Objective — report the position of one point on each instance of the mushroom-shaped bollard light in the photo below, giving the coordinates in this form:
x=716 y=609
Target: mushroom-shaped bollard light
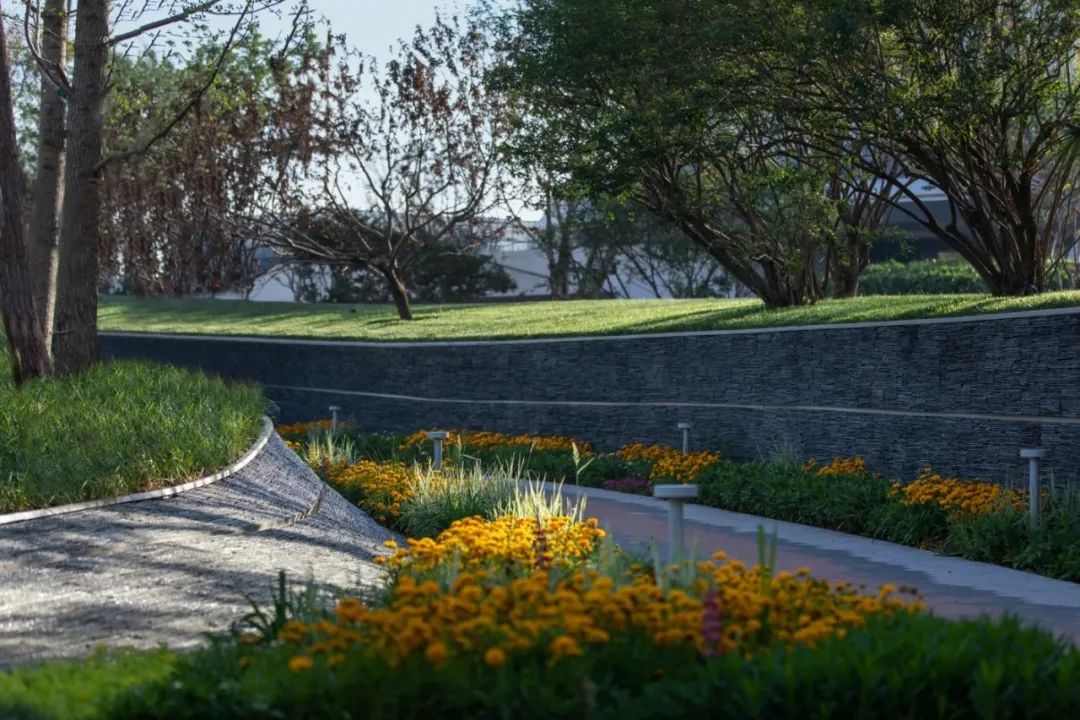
x=1033 y=455
x=437 y=437
x=676 y=495
x=685 y=428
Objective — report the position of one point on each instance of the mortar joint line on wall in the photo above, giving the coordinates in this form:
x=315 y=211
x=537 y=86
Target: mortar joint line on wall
x=759 y=407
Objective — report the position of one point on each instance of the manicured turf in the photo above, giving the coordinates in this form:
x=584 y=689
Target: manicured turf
x=534 y=319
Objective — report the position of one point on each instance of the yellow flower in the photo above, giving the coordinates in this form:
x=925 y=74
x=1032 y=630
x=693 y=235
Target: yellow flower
x=494 y=657
x=667 y=463
x=436 y=652
x=300 y=663
x=564 y=645
x=840 y=466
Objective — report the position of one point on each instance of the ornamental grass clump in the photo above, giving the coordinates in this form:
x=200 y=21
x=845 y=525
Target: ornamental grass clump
x=439 y=497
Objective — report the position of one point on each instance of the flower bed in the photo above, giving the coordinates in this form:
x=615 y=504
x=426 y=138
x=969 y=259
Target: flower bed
x=532 y=612
x=974 y=519
x=542 y=616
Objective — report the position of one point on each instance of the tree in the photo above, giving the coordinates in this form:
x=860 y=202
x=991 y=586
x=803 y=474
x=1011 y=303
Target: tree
x=29 y=354
x=979 y=99
x=408 y=154
x=653 y=253
x=863 y=203
x=178 y=220
x=439 y=274
x=661 y=101
x=47 y=190
x=75 y=344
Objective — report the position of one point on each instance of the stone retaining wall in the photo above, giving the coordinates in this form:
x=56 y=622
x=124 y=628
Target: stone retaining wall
x=961 y=394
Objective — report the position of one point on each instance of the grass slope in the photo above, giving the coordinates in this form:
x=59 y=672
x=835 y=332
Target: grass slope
x=533 y=319
x=119 y=428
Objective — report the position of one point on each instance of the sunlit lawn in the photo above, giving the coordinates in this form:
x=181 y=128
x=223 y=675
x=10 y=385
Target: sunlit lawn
x=533 y=319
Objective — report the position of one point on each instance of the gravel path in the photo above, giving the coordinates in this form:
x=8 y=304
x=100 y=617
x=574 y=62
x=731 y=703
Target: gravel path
x=167 y=571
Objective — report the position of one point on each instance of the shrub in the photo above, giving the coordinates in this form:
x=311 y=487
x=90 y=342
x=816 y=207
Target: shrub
x=785 y=492
x=1052 y=549
x=921 y=277
x=938 y=277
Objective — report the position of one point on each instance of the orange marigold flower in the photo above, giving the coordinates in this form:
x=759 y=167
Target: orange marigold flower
x=494 y=657
x=300 y=663
x=436 y=652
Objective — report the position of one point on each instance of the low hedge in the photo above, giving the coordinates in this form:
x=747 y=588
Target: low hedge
x=936 y=277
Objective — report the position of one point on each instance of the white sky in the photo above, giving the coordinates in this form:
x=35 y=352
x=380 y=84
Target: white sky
x=372 y=26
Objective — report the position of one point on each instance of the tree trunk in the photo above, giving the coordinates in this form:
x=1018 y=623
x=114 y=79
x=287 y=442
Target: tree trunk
x=398 y=291
x=48 y=180
x=846 y=269
x=29 y=354
x=76 y=306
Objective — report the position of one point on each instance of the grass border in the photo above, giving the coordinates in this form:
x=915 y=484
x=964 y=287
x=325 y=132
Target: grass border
x=228 y=471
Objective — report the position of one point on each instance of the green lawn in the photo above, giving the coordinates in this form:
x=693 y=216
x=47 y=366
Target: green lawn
x=533 y=319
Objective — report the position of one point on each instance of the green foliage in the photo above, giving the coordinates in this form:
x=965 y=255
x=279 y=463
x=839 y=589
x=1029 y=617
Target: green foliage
x=974 y=98
x=289 y=600
x=659 y=101
x=787 y=492
x=118 y=428
x=533 y=319
x=80 y=690
x=904 y=667
x=928 y=277
x=1053 y=548
x=920 y=525
x=922 y=277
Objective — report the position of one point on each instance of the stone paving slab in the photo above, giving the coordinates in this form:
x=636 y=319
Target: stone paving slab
x=170 y=570
x=951 y=587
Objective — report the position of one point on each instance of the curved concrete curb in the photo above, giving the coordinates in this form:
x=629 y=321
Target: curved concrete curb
x=245 y=459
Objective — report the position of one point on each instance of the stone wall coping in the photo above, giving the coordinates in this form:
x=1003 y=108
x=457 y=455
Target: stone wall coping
x=957 y=319
x=244 y=461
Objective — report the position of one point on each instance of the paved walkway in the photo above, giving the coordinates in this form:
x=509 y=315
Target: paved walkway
x=951 y=587
x=167 y=571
